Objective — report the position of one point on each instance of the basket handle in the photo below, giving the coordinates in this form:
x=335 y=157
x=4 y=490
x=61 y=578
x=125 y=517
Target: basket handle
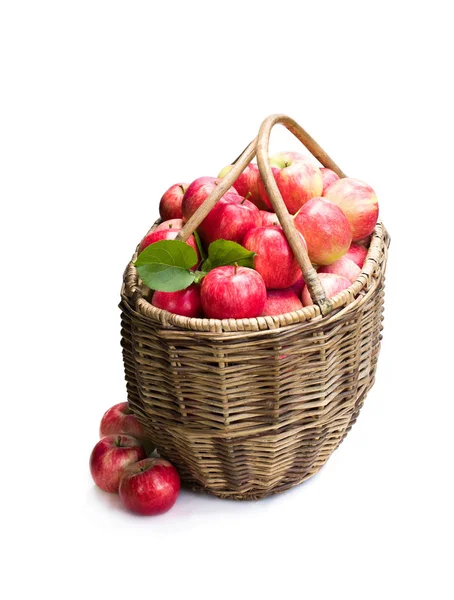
x=240 y=164
x=310 y=274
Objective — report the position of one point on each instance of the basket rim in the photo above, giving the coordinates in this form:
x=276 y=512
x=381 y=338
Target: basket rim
x=133 y=293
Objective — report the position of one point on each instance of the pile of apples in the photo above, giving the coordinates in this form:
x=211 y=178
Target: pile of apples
x=334 y=217
x=120 y=463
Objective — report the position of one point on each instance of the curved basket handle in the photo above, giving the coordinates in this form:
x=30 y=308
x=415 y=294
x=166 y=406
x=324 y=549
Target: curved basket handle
x=310 y=274
x=240 y=164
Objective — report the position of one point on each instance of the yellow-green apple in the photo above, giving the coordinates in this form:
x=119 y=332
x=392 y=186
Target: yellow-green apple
x=150 y=487
x=269 y=218
x=170 y=224
x=184 y=302
x=233 y=292
x=120 y=419
x=343 y=267
x=230 y=219
x=325 y=229
x=170 y=204
x=328 y=177
x=357 y=254
x=247 y=183
x=274 y=258
x=196 y=194
x=359 y=203
x=298 y=181
x=165 y=234
x=332 y=284
x=110 y=456
x=279 y=302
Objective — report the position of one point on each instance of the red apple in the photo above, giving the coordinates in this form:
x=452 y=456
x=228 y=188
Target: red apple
x=343 y=267
x=247 y=183
x=184 y=302
x=359 y=203
x=274 y=258
x=269 y=218
x=170 y=204
x=110 y=456
x=279 y=302
x=120 y=419
x=196 y=194
x=170 y=224
x=357 y=254
x=325 y=229
x=233 y=293
x=165 y=234
x=150 y=487
x=230 y=219
x=298 y=181
x=332 y=284
x=328 y=177
x=298 y=286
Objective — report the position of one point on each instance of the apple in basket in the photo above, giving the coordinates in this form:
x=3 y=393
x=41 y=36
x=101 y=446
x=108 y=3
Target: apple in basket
x=196 y=194
x=232 y=292
x=150 y=486
x=165 y=234
x=183 y=302
x=325 y=229
x=298 y=180
x=331 y=283
x=230 y=219
x=170 y=224
x=279 y=302
x=110 y=456
x=274 y=258
x=328 y=177
x=343 y=267
x=357 y=254
x=170 y=204
x=359 y=203
x=120 y=419
x=247 y=183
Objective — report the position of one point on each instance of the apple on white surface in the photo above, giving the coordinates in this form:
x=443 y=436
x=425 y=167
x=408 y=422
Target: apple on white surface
x=331 y=283
x=274 y=258
x=120 y=419
x=110 y=456
x=297 y=180
x=150 y=486
x=279 y=302
x=233 y=292
x=343 y=267
x=183 y=302
x=325 y=229
x=230 y=219
x=358 y=202
x=170 y=204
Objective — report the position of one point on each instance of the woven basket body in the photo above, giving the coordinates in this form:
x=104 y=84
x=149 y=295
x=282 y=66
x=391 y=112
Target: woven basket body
x=251 y=407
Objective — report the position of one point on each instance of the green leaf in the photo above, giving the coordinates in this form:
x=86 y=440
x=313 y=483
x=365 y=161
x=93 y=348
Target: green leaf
x=200 y=247
x=223 y=252
x=165 y=265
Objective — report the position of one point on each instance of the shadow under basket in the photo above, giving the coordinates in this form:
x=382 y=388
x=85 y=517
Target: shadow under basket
x=248 y=408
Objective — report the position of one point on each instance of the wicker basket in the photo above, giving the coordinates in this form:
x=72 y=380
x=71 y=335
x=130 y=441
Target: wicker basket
x=246 y=408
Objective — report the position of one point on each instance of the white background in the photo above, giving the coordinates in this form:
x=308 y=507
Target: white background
x=103 y=106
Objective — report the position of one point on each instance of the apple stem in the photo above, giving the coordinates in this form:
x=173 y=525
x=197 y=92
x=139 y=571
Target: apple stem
x=246 y=197
x=170 y=226
x=118 y=442
x=236 y=268
x=182 y=189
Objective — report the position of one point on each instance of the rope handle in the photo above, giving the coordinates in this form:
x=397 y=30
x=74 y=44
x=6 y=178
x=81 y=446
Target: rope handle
x=259 y=146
